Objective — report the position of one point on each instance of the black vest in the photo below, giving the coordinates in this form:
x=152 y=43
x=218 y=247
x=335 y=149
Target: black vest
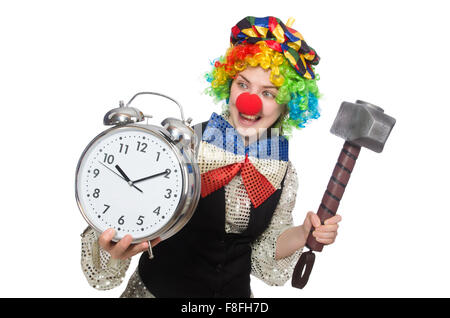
x=202 y=260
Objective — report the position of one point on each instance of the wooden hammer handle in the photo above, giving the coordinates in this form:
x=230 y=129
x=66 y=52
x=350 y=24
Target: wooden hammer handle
x=335 y=189
x=327 y=209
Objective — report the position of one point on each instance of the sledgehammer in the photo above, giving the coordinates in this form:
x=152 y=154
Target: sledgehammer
x=361 y=125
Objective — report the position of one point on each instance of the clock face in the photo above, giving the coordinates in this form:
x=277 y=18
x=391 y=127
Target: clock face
x=131 y=180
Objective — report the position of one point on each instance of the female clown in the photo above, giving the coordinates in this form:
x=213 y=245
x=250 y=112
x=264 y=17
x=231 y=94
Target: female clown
x=243 y=223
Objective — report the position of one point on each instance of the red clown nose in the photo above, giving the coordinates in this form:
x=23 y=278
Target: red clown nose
x=248 y=104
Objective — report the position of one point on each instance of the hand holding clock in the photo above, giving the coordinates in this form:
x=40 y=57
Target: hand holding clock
x=122 y=249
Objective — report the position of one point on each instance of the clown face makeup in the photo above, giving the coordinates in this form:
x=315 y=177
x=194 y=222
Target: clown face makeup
x=252 y=103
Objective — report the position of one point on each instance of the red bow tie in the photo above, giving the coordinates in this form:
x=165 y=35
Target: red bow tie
x=257 y=186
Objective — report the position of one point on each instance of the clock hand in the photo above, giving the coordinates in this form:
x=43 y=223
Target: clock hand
x=126 y=178
x=124 y=175
x=152 y=176
x=118 y=175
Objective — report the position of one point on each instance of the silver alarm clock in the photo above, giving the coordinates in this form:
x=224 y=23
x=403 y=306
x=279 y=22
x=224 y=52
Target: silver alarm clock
x=139 y=179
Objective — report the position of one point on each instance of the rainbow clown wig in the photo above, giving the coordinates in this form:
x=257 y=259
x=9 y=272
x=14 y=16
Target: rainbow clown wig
x=269 y=43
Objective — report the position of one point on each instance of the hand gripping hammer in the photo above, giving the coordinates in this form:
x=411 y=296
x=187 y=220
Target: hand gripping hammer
x=361 y=125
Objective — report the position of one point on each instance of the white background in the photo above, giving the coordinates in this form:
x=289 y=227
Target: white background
x=64 y=64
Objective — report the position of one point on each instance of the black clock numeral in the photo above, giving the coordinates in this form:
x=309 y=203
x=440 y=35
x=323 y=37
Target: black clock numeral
x=96 y=173
x=96 y=193
x=108 y=158
x=141 y=146
x=107 y=207
x=123 y=147
x=121 y=221
x=156 y=211
x=168 y=171
x=168 y=195
x=140 y=220
x=157 y=156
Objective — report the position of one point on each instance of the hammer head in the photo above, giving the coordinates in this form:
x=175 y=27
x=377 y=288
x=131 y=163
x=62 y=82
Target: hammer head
x=363 y=124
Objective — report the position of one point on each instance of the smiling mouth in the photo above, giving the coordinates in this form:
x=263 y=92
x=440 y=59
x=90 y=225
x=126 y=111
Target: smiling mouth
x=249 y=118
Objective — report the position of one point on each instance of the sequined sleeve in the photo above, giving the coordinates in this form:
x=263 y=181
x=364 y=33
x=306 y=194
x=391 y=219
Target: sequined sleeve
x=101 y=271
x=264 y=265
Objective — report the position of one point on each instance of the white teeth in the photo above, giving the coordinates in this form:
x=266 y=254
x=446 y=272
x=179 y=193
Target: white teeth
x=249 y=117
